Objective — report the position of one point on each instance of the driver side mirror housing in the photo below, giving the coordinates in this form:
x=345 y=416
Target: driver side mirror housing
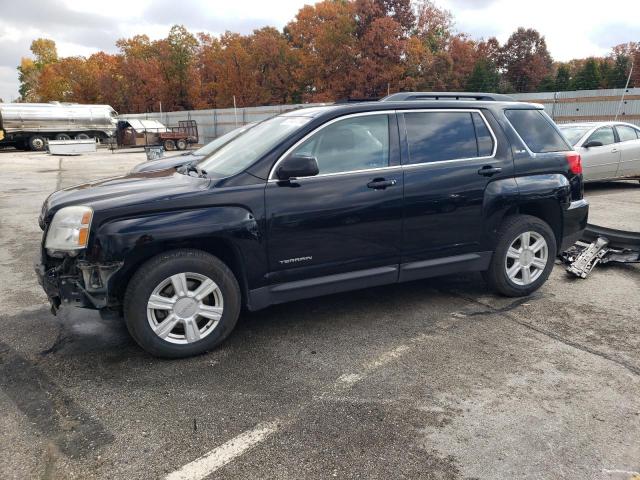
x=297 y=166
x=592 y=143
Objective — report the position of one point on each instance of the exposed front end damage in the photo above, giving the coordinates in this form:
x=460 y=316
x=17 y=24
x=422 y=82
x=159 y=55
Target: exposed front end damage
x=76 y=282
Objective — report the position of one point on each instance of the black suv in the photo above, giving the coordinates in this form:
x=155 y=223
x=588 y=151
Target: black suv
x=317 y=201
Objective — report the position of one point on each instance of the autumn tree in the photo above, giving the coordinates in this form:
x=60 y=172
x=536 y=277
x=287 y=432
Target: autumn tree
x=525 y=59
x=45 y=53
x=324 y=37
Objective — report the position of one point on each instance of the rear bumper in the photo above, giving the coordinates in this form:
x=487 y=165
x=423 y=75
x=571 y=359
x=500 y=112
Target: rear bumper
x=574 y=223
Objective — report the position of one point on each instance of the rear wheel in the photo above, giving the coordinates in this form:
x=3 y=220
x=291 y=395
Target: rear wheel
x=37 y=143
x=523 y=257
x=169 y=145
x=181 y=144
x=181 y=303
x=82 y=136
x=62 y=136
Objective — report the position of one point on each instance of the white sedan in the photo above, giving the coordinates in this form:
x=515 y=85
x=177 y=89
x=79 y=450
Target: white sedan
x=609 y=150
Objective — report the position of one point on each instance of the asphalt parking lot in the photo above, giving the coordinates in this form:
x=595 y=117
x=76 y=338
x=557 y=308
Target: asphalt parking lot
x=435 y=379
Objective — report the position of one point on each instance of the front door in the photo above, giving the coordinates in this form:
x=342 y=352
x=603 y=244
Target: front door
x=451 y=157
x=601 y=162
x=348 y=218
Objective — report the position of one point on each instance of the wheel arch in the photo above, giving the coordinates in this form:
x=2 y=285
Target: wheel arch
x=547 y=210
x=219 y=247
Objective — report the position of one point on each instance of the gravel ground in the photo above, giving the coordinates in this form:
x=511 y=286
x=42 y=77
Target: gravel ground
x=435 y=379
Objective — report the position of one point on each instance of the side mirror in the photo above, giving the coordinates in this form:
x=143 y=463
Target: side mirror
x=592 y=143
x=297 y=166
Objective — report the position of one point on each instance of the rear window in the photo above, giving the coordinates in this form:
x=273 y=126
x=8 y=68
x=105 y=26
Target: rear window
x=439 y=136
x=536 y=131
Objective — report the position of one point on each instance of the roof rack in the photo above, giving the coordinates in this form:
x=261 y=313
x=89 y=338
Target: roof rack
x=408 y=96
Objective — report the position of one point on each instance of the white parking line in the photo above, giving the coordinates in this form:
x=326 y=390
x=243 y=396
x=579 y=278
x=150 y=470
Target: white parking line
x=222 y=455
x=225 y=453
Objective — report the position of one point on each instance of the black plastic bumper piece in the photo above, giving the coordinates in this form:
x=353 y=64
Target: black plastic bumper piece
x=574 y=223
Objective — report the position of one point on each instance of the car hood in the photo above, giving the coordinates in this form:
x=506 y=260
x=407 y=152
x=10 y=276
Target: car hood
x=164 y=163
x=132 y=189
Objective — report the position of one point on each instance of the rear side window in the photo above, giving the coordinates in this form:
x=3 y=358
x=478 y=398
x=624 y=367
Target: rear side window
x=485 y=140
x=438 y=136
x=536 y=131
x=626 y=133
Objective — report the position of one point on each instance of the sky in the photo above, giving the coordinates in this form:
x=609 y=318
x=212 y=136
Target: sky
x=572 y=28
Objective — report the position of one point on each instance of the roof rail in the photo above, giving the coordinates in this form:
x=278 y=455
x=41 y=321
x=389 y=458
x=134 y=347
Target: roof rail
x=408 y=96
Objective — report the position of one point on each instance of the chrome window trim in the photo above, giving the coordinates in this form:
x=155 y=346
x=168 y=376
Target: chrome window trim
x=272 y=178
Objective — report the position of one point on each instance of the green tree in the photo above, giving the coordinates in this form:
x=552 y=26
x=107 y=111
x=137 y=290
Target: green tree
x=588 y=77
x=484 y=77
x=619 y=72
x=563 y=78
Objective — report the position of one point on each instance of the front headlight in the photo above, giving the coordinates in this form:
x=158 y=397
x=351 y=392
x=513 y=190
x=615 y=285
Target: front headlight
x=69 y=229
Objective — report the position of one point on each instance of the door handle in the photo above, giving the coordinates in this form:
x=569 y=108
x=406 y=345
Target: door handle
x=381 y=183
x=614 y=150
x=488 y=171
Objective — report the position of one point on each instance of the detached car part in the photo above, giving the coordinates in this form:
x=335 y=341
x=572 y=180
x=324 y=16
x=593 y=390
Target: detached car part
x=601 y=245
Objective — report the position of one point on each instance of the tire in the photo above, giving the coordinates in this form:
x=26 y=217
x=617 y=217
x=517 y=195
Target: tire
x=82 y=136
x=62 y=136
x=155 y=277
x=538 y=263
x=181 y=144
x=37 y=143
x=169 y=145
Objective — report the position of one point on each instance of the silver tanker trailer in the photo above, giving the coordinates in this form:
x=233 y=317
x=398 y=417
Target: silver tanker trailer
x=30 y=125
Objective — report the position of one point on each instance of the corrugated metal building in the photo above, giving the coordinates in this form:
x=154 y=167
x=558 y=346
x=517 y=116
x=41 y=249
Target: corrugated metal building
x=563 y=107
x=588 y=105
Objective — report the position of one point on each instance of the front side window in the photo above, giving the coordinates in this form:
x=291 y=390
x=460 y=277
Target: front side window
x=603 y=135
x=626 y=133
x=440 y=136
x=356 y=143
x=536 y=130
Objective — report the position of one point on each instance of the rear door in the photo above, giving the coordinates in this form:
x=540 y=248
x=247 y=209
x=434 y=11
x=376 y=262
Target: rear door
x=450 y=159
x=600 y=163
x=348 y=218
x=629 y=144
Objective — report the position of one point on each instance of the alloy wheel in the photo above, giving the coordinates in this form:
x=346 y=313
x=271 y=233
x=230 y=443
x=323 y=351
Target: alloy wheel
x=185 y=308
x=526 y=258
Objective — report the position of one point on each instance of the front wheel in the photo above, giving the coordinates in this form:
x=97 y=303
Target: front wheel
x=523 y=258
x=181 y=303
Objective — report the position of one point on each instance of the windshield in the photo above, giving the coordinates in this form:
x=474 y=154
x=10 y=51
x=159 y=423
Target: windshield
x=211 y=147
x=237 y=155
x=573 y=133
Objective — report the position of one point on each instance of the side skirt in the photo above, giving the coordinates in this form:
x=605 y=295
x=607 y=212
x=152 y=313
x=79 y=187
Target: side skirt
x=315 y=287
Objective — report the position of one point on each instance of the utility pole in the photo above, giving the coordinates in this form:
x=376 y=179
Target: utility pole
x=625 y=90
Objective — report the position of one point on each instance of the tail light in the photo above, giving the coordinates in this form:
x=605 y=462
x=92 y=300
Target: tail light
x=575 y=162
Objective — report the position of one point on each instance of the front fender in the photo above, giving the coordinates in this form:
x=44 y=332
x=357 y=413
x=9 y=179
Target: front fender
x=133 y=240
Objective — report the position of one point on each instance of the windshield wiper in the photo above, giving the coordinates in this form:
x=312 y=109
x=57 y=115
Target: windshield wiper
x=192 y=167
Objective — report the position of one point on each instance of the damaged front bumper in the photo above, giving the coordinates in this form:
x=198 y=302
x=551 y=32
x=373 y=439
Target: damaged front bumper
x=77 y=282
